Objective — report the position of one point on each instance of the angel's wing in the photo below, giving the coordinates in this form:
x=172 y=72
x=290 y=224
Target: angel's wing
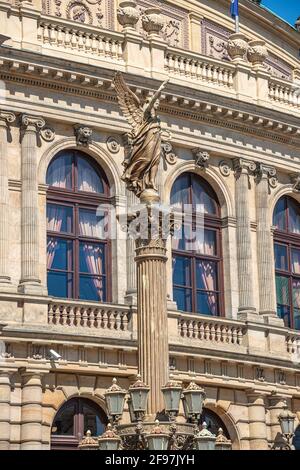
x=128 y=101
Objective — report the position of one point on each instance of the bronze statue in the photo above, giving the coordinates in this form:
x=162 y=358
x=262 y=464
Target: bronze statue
x=142 y=163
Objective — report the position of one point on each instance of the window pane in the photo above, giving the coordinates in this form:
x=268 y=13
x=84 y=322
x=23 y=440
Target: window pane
x=279 y=217
x=59 y=173
x=59 y=254
x=294 y=216
x=59 y=218
x=92 y=421
x=92 y=288
x=184 y=238
x=202 y=199
x=296 y=293
x=180 y=191
x=183 y=298
x=60 y=284
x=206 y=242
x=295 y=261
x=297 y=318
x=282 y=290
x=88 y=178
x=283 y=312
x=207 y=303
x=281 y=257
x=92 y=223
x=91 y=258
x=206 y=275
x=181 y=271
x=63 y=425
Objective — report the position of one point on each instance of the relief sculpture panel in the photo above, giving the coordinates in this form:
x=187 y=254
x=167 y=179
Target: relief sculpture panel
x=90 y=12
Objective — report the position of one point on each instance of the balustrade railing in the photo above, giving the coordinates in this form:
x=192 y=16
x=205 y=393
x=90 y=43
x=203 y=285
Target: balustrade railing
x=81 y=38
x=97 y=316
x=199 y=68
x=284 y=93
x=293 y=344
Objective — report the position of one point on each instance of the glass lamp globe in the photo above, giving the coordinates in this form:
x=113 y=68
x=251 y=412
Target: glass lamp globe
x=193 y=397
x=204 y=439
x=114 y=399
x=158 y=439
x=109 y=440
x=138 y=393
x=287 y=422
x=172 y=393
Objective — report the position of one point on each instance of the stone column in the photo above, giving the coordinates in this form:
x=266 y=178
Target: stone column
x=31 y=412
x=131 y=291
x=243 y=231
x=257 y=421
x=5 y=391
x=266 y=176
x=152 y=314
x=5 y=281
x=276 y=406
x=30 y=279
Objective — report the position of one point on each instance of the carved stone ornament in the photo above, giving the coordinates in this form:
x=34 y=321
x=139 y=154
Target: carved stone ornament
x=48 y=134
x=142 y=160
x=113 y=144
x=128 y=14
x=7 y=118
x=152 y=21
x=201 y=157
x=237 y=47
x=269 y=172
x=168 y=153
x=240 y=165
x=83 y=134
x=295 y=179
x=78 y=11
x=225 y=168
x=257 y=52
x=32 y=122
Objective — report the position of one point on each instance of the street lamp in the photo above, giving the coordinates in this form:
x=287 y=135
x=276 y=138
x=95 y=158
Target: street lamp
x=109 y=440
x=114 y=398
x=204 y=439
x=193 y=397
x=222 y=443
x=158 y=439
x=172 y=394
x=287 y=424
x=137 y=402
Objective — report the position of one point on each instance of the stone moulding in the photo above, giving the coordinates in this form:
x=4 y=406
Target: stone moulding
x=90 y=85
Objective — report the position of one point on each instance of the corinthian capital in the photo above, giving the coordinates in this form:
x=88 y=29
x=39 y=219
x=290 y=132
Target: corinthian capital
x=266 y=172
x=240 y=165
x=6 y=118
x=32 y=123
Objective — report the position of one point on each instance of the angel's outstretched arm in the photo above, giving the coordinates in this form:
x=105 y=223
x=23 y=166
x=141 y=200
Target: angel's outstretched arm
x=156 y=95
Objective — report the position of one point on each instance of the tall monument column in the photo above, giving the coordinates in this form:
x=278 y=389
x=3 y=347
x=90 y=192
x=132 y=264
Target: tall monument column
x=266 y=177
x=131 y=290
x=153 y=351
x=30 y=279
x=244 y=251
x=6 y=118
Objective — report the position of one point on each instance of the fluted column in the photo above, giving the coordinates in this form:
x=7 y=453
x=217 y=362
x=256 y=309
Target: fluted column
x=257 y=421
x=5 y=392
x=30 y=278
x=152 y=317
x=243 y=231
x=266 y=177
x=131 y=291
x=31 y=412
x=5 y=280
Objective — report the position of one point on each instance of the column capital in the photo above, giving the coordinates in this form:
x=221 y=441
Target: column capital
x=6 y=118
x=240 y=165
x=295 y=180
x=32 y=123
x=266 y=172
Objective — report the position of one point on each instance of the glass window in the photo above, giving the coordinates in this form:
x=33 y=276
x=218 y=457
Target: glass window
x=287 y=258
x=76 y=264
x=196 y=261
x=59 y=174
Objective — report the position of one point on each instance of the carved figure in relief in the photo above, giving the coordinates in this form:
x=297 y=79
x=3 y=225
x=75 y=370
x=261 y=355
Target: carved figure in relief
x=141 y=163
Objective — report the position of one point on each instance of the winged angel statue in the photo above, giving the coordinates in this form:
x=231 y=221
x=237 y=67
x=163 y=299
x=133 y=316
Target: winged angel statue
x=141 y=165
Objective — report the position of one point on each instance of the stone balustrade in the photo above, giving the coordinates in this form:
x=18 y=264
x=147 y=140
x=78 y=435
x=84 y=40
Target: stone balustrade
x=284 y=93
x=199 y=68
x=293 y=344
x=80 y=38
x=89 y=315
x=213 y=330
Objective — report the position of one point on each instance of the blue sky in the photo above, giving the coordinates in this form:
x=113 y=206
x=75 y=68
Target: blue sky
x=289 y=10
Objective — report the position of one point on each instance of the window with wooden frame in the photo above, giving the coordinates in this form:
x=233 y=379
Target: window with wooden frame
x=286 y=220
x=78 y=252
x=196 y=247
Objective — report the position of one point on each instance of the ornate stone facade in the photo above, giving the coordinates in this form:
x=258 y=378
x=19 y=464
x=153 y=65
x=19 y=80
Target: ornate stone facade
x=234 y=124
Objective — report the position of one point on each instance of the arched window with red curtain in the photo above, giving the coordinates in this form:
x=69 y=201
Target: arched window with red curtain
x=78 y=251
x=196 y=247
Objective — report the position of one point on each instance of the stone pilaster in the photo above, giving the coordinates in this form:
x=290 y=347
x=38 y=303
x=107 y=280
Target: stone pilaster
x=257 y=421
x=266 y=177
x=30 y=279
x=243 y=232
x=5 y=392
x=6 y=119
x=31 y=412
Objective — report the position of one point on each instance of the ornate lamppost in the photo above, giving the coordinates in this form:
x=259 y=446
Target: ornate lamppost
x=287 y=424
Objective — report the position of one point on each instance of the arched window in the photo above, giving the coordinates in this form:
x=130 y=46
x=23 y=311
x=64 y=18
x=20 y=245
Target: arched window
x=287 y=260
x=73 y=420
x=196 y=247
x=77 y=249
x=214 y=423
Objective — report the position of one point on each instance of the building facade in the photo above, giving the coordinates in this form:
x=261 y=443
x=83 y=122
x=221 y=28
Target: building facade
x=231 y=136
